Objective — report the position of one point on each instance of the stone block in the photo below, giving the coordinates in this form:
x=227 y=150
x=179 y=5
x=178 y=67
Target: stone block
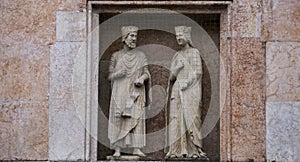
x=283 y=75
x=248 y=100
x=281 y=20
x=24 y=72
x=70 y=26
x=24 y=131
x=67 y=104
x=283 y=129
x=247 y=6
x=24 y=101
x=33 y=20
x=246 y=25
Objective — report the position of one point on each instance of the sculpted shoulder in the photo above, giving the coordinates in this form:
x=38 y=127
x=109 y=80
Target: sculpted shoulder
x=193 y=50
x=117 y=54
x=139 y=53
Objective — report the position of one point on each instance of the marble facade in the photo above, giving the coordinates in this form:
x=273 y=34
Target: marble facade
x=40 y=40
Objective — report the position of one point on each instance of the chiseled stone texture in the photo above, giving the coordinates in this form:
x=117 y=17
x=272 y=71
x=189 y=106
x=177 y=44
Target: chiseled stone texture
x=66 y=125
x=70 y=26
x=283 y=131
x=281 y=20
x=283 y=71
x=24 y=78
x=248 y=100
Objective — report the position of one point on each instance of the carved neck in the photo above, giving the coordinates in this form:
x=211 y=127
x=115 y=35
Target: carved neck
x=185 y=47
x=126 y=48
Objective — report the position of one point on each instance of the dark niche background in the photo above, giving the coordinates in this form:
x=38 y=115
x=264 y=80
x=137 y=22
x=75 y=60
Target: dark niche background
x=159 y=74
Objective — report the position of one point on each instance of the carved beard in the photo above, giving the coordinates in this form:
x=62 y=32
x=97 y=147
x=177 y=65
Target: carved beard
x=130 y=44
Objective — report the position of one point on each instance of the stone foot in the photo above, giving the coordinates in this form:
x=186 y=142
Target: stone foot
x=117 y=152
x=138 y=152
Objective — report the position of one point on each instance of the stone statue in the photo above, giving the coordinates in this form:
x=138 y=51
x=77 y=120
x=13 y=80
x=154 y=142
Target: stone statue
x=130 y=79
x=183 y=137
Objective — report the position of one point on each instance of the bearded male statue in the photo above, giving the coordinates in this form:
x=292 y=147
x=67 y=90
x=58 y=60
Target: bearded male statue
x=130 y=80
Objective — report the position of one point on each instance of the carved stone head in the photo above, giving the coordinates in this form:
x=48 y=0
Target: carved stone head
x=183 y=34
x=129 y=35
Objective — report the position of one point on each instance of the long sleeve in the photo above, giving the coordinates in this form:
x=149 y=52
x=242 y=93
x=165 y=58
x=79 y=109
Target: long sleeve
x=196 y=67
x=112 y=66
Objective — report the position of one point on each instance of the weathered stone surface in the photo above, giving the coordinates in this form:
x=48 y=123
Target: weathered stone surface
x=283 y=75
x=247 y=6
x=24 y=73
x=281 y=20
x=24 y=78
x=246 y=25
x=32 y=20
x=24 y=131
x=70 y=26
x=248 y=100
x=66 y=122
x=225 y=100
x=27 y=29
x=246 y=18
x=283 y=129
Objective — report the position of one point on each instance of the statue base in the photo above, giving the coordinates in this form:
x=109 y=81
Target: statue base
x=200 y=159
x=127 y=158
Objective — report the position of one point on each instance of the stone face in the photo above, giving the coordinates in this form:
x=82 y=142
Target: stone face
x=283 y=75
x=281 y=20
x=248 y=100
x=70 y=26
x=283 y=129
x=24 y=78
x=66 y=122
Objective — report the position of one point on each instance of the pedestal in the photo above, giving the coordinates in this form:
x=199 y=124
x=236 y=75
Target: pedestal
x=200 y=159
x=128 y=158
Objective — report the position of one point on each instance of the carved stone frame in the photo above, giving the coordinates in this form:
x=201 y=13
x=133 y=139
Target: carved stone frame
x=218 y=7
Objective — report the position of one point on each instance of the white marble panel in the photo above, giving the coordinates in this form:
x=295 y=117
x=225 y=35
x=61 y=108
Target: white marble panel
x=70 y=26
x=283 y=71
x=283 y=127
x=67 y=101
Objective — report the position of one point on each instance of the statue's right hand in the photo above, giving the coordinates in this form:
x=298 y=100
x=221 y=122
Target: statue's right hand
x=121 y=73
x=180 y=64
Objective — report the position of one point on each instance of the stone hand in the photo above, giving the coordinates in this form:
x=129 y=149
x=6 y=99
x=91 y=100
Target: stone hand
x=180 y=64
x=184 y=86
x=120 y=73
x=139 y=82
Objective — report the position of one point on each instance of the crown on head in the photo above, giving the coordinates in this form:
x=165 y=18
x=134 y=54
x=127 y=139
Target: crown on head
x=186 y=31
x=183 y=29
x=127 y=29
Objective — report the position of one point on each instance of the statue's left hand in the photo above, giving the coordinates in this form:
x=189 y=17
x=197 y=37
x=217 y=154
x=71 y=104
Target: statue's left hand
x=139 y=82
x=184 y=86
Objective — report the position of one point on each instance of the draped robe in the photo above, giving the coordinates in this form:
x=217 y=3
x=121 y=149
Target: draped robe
x=183 y=106
x=128 y=131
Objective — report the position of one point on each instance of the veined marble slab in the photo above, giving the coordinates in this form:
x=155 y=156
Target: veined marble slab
x=283 y=131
